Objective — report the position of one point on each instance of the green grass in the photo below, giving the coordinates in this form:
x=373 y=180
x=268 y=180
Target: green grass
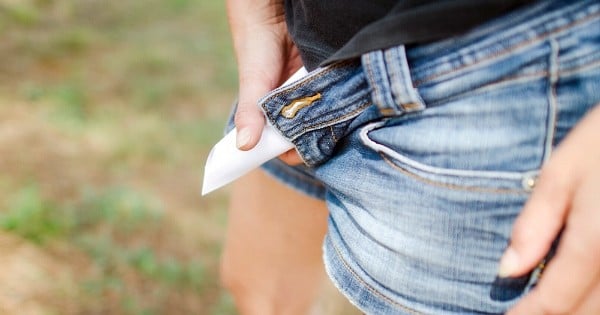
x=115 y=228
x=33 y=218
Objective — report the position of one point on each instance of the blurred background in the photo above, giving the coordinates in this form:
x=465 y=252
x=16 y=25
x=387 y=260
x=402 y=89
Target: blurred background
x=107 y=111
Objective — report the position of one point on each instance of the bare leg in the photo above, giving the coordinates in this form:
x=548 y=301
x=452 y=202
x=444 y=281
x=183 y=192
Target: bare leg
x=272 y=258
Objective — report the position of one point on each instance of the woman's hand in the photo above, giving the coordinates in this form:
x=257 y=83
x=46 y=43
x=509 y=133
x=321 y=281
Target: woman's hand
x=266 y=58
x=567 y=195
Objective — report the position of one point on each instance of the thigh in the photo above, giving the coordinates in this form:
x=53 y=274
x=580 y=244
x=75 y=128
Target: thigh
x=272 y=256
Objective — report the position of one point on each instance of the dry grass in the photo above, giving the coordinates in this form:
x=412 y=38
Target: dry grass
x=107 y=110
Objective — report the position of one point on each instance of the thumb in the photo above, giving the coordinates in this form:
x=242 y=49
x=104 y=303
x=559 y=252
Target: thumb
x=539 y=223
x=249 y=122
x=249 y=118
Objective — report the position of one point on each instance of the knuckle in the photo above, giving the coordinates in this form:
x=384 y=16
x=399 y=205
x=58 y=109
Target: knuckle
x=244 y=110
x=238 y=122
x=245 y=115
x=238 y=118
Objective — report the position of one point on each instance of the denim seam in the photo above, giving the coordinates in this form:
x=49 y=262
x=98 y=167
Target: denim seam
x=564 y=73
x=335 y=139
x=302 y=82
x=301 y=177
x=376 y=89
x=402 y=70
x=369 y=287
x=305 y=153
x=552 y=99
x=306 y=129
x=500 y=54
x=491 y=85
x=332 y=122
x=567 y=72
x=432 y=169
x=450 y=186
x=590 y=13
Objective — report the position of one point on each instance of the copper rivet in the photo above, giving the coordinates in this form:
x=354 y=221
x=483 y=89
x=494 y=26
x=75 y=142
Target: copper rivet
x=290 y=110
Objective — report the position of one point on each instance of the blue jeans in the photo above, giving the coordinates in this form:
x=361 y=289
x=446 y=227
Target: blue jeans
x=426 y=154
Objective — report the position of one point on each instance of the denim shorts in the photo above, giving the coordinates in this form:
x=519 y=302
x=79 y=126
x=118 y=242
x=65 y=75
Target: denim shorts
x=426 y=154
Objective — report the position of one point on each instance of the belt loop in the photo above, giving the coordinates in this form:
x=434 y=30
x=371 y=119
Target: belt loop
x=374 y=69
x=402 y=86
x=389 y=78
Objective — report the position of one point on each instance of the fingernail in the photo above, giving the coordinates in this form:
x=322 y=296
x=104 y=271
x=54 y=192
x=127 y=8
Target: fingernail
x=242 y=138
x=509 y=263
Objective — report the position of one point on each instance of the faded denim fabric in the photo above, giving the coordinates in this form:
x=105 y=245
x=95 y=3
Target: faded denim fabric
x=426 y=154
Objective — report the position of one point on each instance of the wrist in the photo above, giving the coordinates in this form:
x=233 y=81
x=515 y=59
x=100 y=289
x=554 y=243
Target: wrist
x=245 y=15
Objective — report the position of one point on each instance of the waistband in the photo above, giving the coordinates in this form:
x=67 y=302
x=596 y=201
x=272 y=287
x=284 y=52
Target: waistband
x=316 y=112
x=320 y=109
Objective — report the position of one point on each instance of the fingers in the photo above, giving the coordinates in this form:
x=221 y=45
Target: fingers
x=548 y=207
x=539 y=223
x=572 y=275
x=258 y=32
x=566 y=197
x=261 y=69
x=266 y=57
x=249 y=119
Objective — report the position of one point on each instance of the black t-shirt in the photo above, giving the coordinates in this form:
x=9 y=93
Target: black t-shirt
x=328 y=30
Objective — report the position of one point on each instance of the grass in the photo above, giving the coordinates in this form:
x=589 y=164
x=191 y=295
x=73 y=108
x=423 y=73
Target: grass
x=33 y=218
x=108 y=109
x=116 y=230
